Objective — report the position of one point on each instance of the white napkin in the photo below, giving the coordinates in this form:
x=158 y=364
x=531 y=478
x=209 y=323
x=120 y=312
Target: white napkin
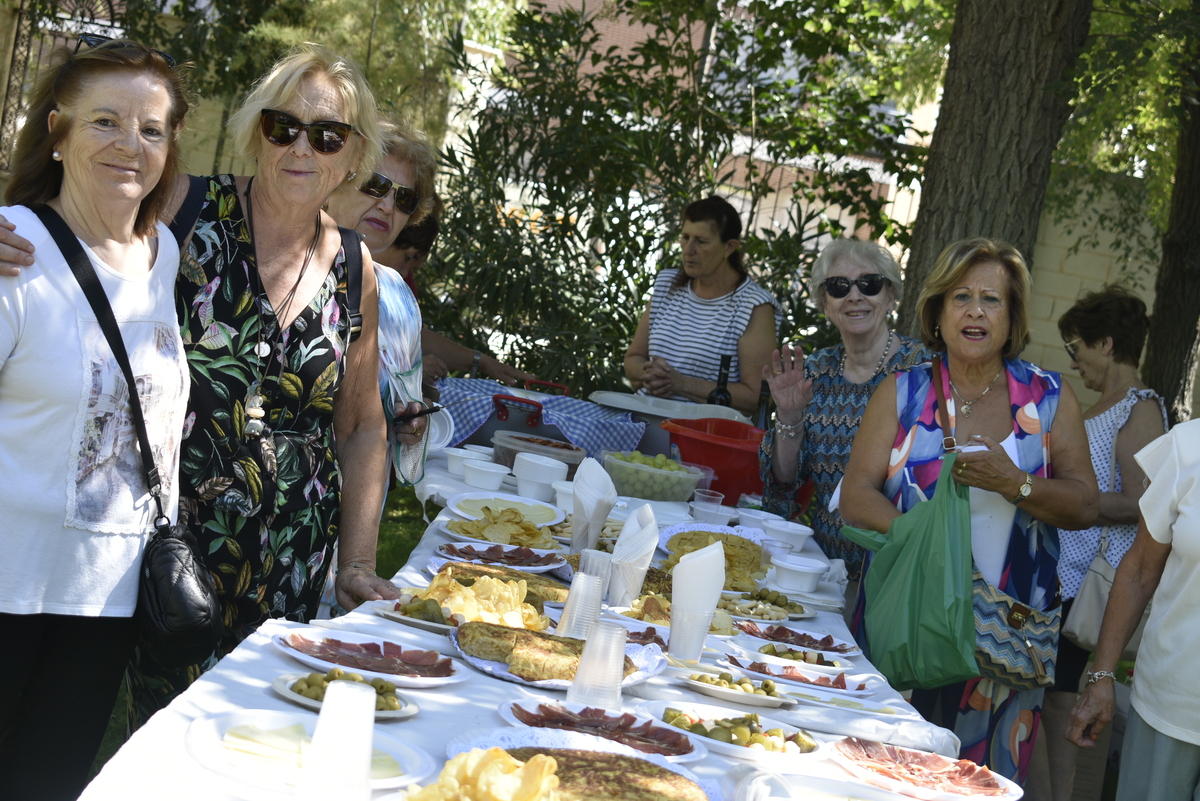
x=631 y=556
x=698 y=579
x=595 y=497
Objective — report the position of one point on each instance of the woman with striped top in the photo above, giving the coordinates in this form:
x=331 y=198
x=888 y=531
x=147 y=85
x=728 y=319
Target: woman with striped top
x=709 y=309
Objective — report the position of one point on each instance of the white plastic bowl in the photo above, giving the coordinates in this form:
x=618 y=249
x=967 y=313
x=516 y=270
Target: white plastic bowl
x=539 y=490
x=798 y=573
x=794 y=534
x=485 y=475
x=486 y=450
x=541 y=469
x=564 y=495
x=455 y=458
x=755 y=518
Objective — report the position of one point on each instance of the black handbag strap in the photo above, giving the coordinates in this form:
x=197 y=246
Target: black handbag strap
x=189 y=212
x=89 y=282
x=352 y=247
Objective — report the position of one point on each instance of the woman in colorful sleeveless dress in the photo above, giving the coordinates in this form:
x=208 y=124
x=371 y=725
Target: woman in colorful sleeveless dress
x=1029 y=471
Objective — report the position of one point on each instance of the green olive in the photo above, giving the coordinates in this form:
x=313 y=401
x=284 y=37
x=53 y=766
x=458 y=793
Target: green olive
x=726 y=677
x=721 y=735
x=741 y=735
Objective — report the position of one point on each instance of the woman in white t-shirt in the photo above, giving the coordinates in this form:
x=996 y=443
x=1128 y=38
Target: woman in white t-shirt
x=99 y=148
x=1160 y=759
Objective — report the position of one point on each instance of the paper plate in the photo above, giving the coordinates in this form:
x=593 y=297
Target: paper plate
x=776 y=675
x=736 y=697
x=752 y=534
x=749 y=646
x=283 y=687
x=458 y=672
x=1011 y=790
x=503 y=500
x=441 y=429
x=648 y=659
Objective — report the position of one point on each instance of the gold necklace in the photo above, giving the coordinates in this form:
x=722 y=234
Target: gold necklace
x=966 y=404
x=1103 y=398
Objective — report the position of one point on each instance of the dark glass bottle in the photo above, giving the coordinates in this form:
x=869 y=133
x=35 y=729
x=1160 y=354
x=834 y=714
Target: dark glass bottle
x=720 y=394
x=762 y=416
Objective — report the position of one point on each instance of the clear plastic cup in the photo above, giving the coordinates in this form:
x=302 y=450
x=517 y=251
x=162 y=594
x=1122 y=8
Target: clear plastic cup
x=598 y=680
x=597 y=563
x=582 y=608
x=689 y=630
x=772 y=548
x=338 y=763
x=706 y=507
x=625 y=583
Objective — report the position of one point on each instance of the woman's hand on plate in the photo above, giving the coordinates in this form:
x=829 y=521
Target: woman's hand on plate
x=990 y=469
x=357 y=584
x=790 y=390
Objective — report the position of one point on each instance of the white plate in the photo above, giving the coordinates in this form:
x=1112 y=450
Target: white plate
x=749 y=646
x=830 y=699
x=458 y=672
x=283 y=686
x=736 y=697
x=698 y=751
x=780 y=763
x=1012 y=791
x=614 y=613
x=551 y=738
x=851 y=681
x=441 y=429
x=807 y=614
x=416 y=623
x=664 y=407
x=557 y=515
x=557 y=563
x=752 y=534
x=204 y=736
x=443 y=526
x=648 y=659
x=848 y=648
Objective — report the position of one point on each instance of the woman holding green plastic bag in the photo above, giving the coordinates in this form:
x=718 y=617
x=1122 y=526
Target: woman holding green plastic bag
x=1016 y=420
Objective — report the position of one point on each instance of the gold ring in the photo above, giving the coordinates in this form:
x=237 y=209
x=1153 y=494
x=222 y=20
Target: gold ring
x=776 y=372
x=961 y=467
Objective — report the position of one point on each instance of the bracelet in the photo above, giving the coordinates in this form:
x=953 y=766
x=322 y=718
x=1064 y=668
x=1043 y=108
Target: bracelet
x=475 y=364
x=1100 y=674
x=357 y=566
x=788 y=432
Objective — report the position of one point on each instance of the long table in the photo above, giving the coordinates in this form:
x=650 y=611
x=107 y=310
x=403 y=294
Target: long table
x=155 y=764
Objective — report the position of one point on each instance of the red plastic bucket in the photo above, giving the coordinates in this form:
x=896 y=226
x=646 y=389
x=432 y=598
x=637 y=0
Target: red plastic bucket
x=730 y=448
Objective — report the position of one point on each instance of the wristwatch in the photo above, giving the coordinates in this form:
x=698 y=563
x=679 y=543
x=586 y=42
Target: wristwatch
x=475 y=364
x=1025 y=489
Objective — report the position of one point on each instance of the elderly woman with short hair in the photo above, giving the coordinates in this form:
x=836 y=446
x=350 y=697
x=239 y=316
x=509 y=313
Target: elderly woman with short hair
x=819 y=400
x=1022 y=419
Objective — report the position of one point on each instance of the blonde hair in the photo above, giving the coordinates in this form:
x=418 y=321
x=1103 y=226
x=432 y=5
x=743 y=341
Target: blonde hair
x=952 y=265
x=282 y=83
x=407 y=144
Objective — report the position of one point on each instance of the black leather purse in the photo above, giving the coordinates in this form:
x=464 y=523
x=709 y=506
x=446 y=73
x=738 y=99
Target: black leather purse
x=178 y=613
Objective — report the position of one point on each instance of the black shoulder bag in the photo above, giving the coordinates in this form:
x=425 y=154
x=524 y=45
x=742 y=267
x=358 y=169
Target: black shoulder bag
x=178 y=612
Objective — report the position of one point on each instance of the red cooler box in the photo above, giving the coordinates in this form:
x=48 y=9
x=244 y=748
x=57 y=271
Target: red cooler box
x=730 y=448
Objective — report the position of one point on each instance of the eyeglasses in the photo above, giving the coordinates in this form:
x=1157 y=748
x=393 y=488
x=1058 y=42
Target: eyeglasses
x=95 y=40
x=1071 y=350
x=378 y=185
x=325 y=136
x=870 y=285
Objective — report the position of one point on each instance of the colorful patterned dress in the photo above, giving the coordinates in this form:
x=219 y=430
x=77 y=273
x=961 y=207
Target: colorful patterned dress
x=265 y=509
x=997 y=726
x=830 y=422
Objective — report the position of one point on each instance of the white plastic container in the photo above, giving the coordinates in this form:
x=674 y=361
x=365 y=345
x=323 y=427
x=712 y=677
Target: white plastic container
x=798 y=573
x=564 y=494
x=486 y=450
x=456 y=456
x=538 y=490
x=794 y=534
x=755 y=518
x=484 y=475
x=541 y=469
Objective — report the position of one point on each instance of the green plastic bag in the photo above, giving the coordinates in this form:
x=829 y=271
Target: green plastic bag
x=919 y=622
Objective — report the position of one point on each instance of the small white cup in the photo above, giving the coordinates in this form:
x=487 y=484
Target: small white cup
x=564 y=494
x=798 y=573
x=582 y=608
x=539 y=468
x=538 y=490
x=756 y=518
x=598 y=680
x=689 y=630
x=485 y=475
x=455 y=457
x=795 y=534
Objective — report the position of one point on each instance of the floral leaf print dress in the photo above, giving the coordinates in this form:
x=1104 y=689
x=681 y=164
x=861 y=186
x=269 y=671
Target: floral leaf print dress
x=264 y=509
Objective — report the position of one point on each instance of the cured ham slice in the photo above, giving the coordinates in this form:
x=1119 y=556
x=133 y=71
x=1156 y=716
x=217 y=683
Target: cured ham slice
x=499 y=555
x=790 y=637
x=921 y=769
x=389 y=658
x=622 y=728
x=648 y=637
x=838 y=682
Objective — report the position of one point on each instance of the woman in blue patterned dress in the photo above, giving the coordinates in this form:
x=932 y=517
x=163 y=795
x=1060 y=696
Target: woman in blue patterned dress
x=819 y=401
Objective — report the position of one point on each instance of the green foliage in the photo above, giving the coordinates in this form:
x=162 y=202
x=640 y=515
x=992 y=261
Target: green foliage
x=563 y=198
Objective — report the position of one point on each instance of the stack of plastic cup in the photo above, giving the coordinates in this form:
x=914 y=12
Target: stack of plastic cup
x=597 y=563
x=706 y=507
x=689 y=630
x=582 y=609
x=338 y=762
x=598 y=680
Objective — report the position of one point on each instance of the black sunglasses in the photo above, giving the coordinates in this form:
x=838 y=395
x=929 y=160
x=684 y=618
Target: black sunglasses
x=325 y=136
x=870 y=285
x=378 y=185
x=95 y=40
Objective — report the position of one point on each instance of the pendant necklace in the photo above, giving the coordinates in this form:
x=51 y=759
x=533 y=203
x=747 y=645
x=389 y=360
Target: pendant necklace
x=255 y=424
x=966 y=404
x=886 y=350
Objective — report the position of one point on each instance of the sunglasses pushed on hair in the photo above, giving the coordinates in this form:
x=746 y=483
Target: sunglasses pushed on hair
x=838 y=286
x=378 y=186
x=95 y=40
x=325 y=136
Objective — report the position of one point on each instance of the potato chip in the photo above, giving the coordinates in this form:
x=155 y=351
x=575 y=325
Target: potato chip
x=487 y=600
x=506 y=527
x=491 y=775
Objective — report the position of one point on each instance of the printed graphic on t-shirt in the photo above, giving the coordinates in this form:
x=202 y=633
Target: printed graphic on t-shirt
x=106 y=489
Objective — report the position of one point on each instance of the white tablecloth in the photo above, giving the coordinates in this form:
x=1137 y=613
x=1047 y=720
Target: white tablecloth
x=155 y=765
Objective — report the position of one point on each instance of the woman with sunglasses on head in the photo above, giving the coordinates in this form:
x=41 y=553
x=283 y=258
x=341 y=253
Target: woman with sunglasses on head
x=819 y=401
x=98 y=151
x=708 y=309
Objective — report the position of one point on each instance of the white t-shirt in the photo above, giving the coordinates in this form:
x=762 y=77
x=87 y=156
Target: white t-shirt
x=1164 y=686
x=74 y=509
x=991 y=524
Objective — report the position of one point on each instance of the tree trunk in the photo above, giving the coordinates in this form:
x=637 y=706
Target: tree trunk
x=1006 y=98
x=1174 y=338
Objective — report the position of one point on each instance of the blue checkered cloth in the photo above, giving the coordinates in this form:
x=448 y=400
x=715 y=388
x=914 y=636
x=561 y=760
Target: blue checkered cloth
x=584 y=424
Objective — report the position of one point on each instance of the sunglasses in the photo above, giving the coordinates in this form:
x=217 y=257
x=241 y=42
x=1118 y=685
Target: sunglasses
x=378 y=186
x=870 y=285
x=325 y=136
x=1071 y=350
x=95 y=40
